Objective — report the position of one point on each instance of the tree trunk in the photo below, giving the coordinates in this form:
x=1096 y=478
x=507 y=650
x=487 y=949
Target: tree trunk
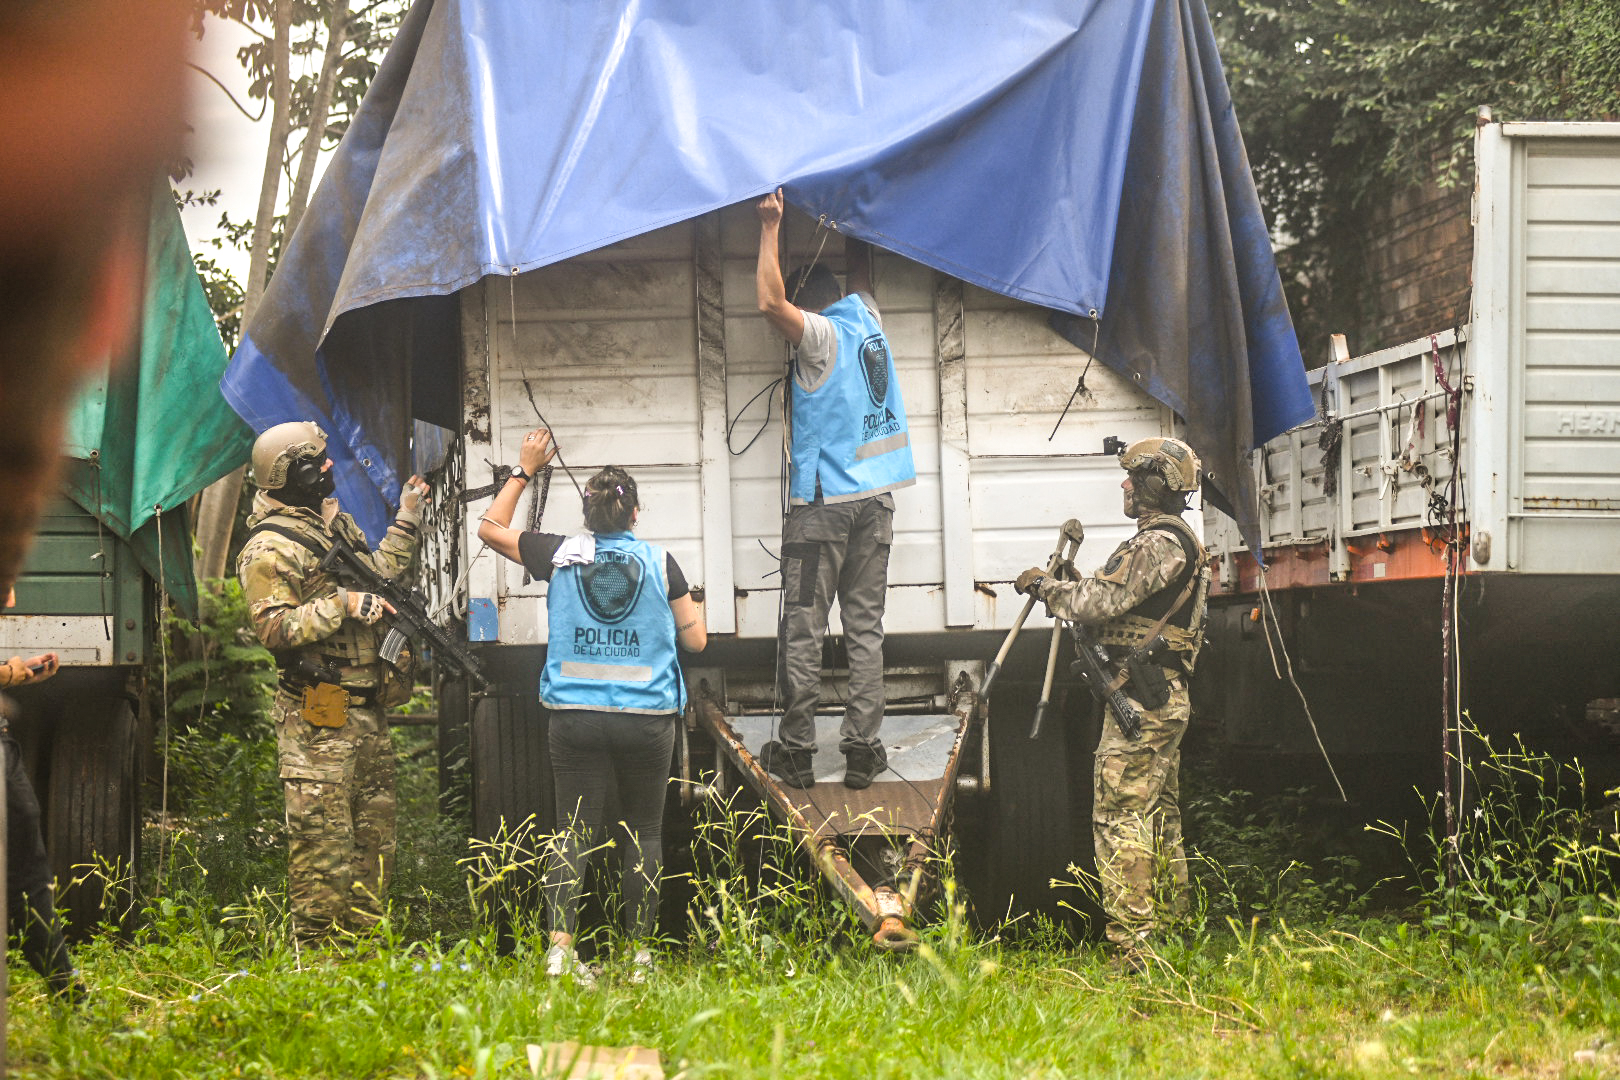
x=274 y=155
x=337 y=37
x=216 y=513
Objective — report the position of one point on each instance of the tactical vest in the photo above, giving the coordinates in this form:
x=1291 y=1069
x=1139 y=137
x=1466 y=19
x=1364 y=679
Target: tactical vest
x=850 y=432
x=1184 y=630
x=612 y=636
x=351 y=649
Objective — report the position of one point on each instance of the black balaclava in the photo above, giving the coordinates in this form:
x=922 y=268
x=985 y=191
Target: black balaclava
x=307 y=485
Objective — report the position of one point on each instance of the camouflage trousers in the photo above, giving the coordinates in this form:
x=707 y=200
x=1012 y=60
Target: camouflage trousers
x=1136 y=820
x=339 y=788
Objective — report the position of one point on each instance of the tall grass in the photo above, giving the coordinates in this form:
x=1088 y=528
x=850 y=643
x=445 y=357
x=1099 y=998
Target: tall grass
x=1505 y=968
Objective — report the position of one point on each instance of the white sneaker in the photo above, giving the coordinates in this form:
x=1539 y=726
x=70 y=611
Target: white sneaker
x=641 y=966
x=561 y=960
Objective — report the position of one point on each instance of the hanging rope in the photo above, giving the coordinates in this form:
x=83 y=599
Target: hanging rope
x=784 y=467
x=163 y=718
x=1450 y=642
x=101 y=548
x=1080 y=383
x=1269 y=611
x=1270 y=622
x=763 y=424
x=523 y=371
x=537 y=508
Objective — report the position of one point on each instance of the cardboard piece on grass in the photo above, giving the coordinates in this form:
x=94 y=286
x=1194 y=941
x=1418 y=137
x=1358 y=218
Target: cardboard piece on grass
x=575 y=1061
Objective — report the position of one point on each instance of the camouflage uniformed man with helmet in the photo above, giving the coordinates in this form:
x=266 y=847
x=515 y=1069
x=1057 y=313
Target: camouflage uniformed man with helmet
x=1155 y=584
x=336 y=760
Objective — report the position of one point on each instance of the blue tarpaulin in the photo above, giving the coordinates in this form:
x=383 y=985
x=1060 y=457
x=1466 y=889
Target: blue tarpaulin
x=1077 y=154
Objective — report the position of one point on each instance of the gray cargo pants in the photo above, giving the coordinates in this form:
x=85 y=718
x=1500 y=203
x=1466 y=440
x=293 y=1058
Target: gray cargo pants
x=839 y=550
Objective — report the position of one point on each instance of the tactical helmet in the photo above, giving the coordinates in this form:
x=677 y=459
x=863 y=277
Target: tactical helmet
x=1171 y=459
x=275 y=451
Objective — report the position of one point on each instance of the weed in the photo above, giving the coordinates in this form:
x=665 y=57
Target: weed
x=1527 y=880
x=1247 y=857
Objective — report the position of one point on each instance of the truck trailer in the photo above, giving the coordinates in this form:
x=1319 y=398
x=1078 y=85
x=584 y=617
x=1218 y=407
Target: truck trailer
x=112 y=553
x=652 y=355
x=546 y=219
x=1486 y=452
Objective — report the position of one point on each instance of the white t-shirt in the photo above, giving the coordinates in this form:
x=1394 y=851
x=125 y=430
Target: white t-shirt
x=818 y=349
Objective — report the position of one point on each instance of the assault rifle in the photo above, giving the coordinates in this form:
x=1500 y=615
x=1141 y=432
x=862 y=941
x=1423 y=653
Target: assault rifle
x=1093 y=667
x=410 y=618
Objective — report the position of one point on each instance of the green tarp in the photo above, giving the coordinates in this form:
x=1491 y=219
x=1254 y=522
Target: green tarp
x=148 y=436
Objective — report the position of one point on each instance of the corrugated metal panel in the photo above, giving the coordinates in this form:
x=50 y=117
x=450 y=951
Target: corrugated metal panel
x=1569 y=457
x=1542 y=419
x=1394 y=452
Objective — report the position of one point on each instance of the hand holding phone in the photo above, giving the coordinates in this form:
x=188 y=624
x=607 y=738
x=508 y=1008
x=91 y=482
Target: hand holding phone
x=17 y=671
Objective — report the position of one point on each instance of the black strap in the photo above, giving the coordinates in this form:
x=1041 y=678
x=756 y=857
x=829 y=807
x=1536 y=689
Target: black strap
x=1160 y=602
x=269 y=525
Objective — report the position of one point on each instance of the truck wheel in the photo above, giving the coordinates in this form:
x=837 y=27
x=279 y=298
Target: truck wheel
x=510 y=777
x=511 y=783
x=92 y=811
x=1036 y=819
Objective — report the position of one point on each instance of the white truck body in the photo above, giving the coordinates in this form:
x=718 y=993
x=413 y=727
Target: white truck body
x=642 y=354
x=1539 y=364
x=1357 y=571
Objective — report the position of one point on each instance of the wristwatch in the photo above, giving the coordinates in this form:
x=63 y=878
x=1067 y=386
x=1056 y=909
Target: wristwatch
x=517 y=473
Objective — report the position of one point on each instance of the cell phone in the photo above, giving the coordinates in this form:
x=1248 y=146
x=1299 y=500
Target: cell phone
x=39 y=667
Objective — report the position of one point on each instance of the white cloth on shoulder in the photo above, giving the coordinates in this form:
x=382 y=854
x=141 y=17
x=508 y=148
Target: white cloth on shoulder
x=576 y=551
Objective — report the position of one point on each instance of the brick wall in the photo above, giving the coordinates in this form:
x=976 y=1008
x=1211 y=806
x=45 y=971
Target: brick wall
x=1419 y=256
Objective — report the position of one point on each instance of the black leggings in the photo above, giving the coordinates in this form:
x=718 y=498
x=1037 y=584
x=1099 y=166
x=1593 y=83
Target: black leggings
x=586 y=749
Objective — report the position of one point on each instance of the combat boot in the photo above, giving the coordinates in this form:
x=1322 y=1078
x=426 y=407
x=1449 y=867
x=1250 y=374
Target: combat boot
x=861 y=765
x=792 y=767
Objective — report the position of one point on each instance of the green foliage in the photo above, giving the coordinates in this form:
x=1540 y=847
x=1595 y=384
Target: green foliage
x=224 y=297
x=1528 y=875
x=429 y=892
x=223 y=677
x=1343 y=102
x=756 y=905
x=198 y=995
x=1511 y=972
x=368 y=29
x=1250 y=857
x=225 y=834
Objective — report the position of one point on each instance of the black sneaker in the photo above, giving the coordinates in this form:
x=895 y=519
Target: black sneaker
x=860 y=766
x=792 y=767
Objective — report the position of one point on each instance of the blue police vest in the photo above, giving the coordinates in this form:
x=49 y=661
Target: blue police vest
x=612 y=646
x=850 y=432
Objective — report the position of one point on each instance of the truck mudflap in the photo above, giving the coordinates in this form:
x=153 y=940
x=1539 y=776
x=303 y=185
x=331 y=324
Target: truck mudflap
x=889 y=832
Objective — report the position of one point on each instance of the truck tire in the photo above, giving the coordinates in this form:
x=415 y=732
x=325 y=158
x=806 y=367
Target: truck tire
x=511 y=783
x=92 y=811
x=511 y=780
x=1036 y=819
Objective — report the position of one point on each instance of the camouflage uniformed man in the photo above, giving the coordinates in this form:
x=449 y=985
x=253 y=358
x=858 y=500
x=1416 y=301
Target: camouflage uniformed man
x=1155 y=584
x=336 y=760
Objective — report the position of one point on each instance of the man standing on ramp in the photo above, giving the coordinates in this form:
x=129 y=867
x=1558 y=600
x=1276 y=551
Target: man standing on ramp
x=850 y=448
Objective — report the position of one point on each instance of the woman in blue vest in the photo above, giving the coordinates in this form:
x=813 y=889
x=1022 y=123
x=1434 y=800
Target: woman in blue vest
x=617 y=607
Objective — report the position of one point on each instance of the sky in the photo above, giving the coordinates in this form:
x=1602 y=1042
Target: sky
x=227 y=148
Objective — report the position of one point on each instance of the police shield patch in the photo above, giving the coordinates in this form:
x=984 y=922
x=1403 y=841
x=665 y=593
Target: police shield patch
x=875 y=366
x=610 y=587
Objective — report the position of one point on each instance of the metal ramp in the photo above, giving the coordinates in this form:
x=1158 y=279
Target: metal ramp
x=872 y=846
